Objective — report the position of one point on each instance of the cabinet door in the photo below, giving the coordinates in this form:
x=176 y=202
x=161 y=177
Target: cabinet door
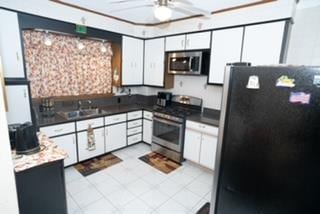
x=192 y=144
x=176 y=43
x=18 y=104
x=116 y=136
x=225 y=48
x=147 y=131
x=263 y=43
x=154 y=62
x=208 y=151
x=10 y=45
x=84 y=151
x=132 y=61
x=198 y=41
x=68 y=144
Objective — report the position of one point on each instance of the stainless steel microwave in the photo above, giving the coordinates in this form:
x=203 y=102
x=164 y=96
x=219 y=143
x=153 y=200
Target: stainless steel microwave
x=187 y=63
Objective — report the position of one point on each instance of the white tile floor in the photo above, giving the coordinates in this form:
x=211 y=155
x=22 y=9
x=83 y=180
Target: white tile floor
x=134 y=187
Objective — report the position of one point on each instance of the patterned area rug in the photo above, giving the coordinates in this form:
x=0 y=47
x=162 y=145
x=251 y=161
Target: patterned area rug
x=94 y=165
x=160 y=162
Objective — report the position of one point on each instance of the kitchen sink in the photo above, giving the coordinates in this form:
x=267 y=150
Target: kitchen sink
x=81 y=113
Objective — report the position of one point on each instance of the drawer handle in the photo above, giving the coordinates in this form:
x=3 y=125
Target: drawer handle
x=116 y=119
x=58 y=130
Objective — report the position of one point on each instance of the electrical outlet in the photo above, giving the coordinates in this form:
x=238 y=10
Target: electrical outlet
x=181 y=83
x=205 y=86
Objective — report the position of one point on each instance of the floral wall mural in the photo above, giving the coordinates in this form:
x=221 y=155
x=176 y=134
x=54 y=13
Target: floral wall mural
x=63 y=68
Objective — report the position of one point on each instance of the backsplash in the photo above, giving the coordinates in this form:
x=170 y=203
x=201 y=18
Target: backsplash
x=63 y=68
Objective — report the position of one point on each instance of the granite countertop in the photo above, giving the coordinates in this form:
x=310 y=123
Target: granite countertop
x=109 y=110
x=49 y=152
x=209 y=117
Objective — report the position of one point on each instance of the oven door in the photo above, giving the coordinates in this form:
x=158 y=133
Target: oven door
x=167 y=133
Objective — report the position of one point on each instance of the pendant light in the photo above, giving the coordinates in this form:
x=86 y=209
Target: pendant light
x=80 y=45
x=103 y=48
x=47 y=40
x=162 y=12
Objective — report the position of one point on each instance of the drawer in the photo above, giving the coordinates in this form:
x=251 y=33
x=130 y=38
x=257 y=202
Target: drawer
x=134 y=139
x=210 y=130
x=134 y=123
x=134 y=115
x=60 y=129
x=84 y=124
x=115 y=119
x=147 y=115
x=133 y=131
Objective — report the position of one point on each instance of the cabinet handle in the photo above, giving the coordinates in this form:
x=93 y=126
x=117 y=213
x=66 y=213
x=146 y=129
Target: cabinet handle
x=182 y=43
x=17 y=55
x=58 y=130
x=73 y=140
x=187 y=44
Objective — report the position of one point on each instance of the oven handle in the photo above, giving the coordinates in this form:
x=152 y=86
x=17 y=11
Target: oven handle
x=168 y=122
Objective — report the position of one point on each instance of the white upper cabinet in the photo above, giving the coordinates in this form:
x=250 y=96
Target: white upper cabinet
x=174 y=43
x=198 y=40
x=132 y=61
x=10 y=45
x=190 y=41
x=18 y=104
x=225 y=48
x=154 y=62
x=263 y=43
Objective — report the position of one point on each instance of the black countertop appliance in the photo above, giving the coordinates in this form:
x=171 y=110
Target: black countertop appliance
x=26 y=139
x=164 y=99
x=268 y=152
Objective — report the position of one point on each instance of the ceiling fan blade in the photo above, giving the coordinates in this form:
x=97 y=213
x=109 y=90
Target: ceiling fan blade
x=123 y=1
x=132 y=7
x=194 y=10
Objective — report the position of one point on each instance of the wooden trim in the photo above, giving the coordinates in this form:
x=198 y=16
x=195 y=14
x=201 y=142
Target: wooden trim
x=160 y=23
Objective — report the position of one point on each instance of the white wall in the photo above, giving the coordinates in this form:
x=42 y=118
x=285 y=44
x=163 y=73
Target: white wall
x=193 y=86
x=304 y=44
x=8 y=195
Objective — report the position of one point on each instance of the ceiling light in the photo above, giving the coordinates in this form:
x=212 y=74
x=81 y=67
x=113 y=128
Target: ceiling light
x=163 y=13
x=47 y=40
x=80 y=45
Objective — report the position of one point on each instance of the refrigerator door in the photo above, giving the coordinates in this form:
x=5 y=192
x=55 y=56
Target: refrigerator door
x=269 y=148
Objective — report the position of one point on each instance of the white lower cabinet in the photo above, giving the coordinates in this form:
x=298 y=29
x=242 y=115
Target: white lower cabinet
x=200 y=144
x=192 y=145
x=147 y=131
x=208 y=150
x=69 y=144
x=84 y=151
x=116 y=136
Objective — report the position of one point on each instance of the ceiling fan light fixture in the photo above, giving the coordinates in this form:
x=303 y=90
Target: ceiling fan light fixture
x=162 y=13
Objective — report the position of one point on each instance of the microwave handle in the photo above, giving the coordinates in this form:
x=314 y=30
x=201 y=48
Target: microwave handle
x=190 y=62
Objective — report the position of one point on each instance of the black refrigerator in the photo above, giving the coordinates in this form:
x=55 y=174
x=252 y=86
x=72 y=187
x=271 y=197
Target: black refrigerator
x=268 y=158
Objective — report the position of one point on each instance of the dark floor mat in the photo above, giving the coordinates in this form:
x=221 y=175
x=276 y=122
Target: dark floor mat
x=160 y=162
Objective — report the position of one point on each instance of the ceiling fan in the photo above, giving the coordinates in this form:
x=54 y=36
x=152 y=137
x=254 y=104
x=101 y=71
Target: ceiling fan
x=163 y=8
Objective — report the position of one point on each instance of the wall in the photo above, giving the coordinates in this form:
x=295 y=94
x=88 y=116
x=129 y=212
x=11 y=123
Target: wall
x=194 y=86
x=8 y=196
x=304 y=45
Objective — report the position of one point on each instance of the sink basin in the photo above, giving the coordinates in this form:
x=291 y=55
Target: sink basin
x=81 y=113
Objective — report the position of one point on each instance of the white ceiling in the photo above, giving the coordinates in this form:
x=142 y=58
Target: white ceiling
x=145 y=15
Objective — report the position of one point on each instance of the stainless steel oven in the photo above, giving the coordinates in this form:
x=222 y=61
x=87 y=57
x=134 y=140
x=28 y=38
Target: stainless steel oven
x=168 y=133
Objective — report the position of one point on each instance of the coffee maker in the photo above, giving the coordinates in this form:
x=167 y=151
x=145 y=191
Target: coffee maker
x=23 y=137
x=164 y=99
